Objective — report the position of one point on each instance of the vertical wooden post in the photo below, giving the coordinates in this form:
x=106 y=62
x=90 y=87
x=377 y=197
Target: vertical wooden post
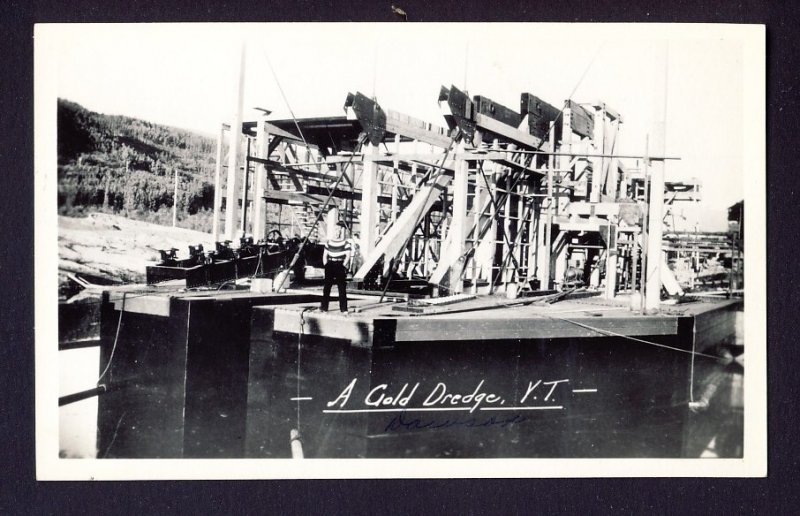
x=395 y=178
x=533 y=236
x=458 y=222
x=245 y=187
x=611 y=262
x=546 y=223
x=643 y=237
x=655 y=224
x=612 y=181
x=370 y=188
x=218 y=184
x=566 y=147
x=520 y=244
x=232 y=208
x=259 y=206
x=598 y=164
x=509 y=271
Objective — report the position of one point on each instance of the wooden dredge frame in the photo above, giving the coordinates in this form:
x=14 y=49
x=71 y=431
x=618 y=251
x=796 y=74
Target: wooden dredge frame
x=497 y=198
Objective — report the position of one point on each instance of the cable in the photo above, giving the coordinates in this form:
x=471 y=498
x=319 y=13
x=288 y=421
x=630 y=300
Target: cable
x=116 y=339
x=615 y=334
x=588 y=66
x=299 y=348
x=295 y=435
x=289 y=107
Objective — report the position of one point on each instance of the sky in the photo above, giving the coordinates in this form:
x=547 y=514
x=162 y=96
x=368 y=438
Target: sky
x=185 y=75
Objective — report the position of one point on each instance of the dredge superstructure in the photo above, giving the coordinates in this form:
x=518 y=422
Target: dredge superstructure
x=504 y=248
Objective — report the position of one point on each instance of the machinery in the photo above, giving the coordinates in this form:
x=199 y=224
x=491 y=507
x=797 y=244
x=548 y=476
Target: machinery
x=225 y=264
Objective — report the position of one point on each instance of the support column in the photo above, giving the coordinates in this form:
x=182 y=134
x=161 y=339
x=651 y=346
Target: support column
x=218 y=184
x=395 y=178
x=259 y=206
x=611 y=262
x=612 y=181
x=558 y=256
x=564 y=161
x=331 y=220
x=507 y=276
x=656 y=210
x=533 y=239
x=459 y=221
x=246 y=184
x=598 y=164
x=544 y=231
x=370 y=188
x=232 y=190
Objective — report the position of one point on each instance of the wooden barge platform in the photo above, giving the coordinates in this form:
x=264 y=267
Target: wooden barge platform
x=233 y=374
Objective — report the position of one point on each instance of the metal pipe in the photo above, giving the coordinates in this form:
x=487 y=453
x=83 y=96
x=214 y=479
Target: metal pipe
x=79 y=396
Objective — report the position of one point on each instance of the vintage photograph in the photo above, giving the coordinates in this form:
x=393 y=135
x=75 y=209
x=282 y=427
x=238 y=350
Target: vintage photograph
x=399 y=241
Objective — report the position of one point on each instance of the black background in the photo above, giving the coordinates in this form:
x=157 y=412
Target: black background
x=21 y=494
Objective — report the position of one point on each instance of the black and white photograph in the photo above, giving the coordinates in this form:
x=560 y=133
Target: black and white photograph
x=283 y=242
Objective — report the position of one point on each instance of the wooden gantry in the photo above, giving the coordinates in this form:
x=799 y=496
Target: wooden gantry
x=496 y=198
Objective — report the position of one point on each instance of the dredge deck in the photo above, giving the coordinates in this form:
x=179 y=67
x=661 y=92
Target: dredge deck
x=476 y=320
x=232 y=374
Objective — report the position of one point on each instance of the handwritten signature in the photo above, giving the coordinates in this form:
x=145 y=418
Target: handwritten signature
x=402 y=422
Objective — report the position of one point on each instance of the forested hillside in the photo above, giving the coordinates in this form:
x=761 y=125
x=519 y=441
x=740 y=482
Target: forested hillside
x=125 y=165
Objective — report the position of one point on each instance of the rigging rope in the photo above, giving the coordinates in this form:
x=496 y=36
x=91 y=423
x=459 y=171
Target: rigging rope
x=601 y=331
x=116 y=338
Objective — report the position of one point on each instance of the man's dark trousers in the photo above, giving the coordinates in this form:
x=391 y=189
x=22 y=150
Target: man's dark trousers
x=335 y=272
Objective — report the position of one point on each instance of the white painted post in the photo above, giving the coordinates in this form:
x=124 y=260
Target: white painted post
x=612 y=181
x=218 y=184
x=551 y=203
x=458 y=222
x=566 y=146
x=232 y=190
x=246 y=186
x=395 y=181
x=598 y=164
x=259 y=206
x=331 y=220
x=611 y=263
x=369 y=201
x=656 y=213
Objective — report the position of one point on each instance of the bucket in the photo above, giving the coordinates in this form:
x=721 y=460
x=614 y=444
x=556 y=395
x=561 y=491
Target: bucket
x=511 y=291
x=261 y=285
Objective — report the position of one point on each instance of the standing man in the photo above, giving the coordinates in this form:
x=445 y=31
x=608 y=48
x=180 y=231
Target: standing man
x=336 y=259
